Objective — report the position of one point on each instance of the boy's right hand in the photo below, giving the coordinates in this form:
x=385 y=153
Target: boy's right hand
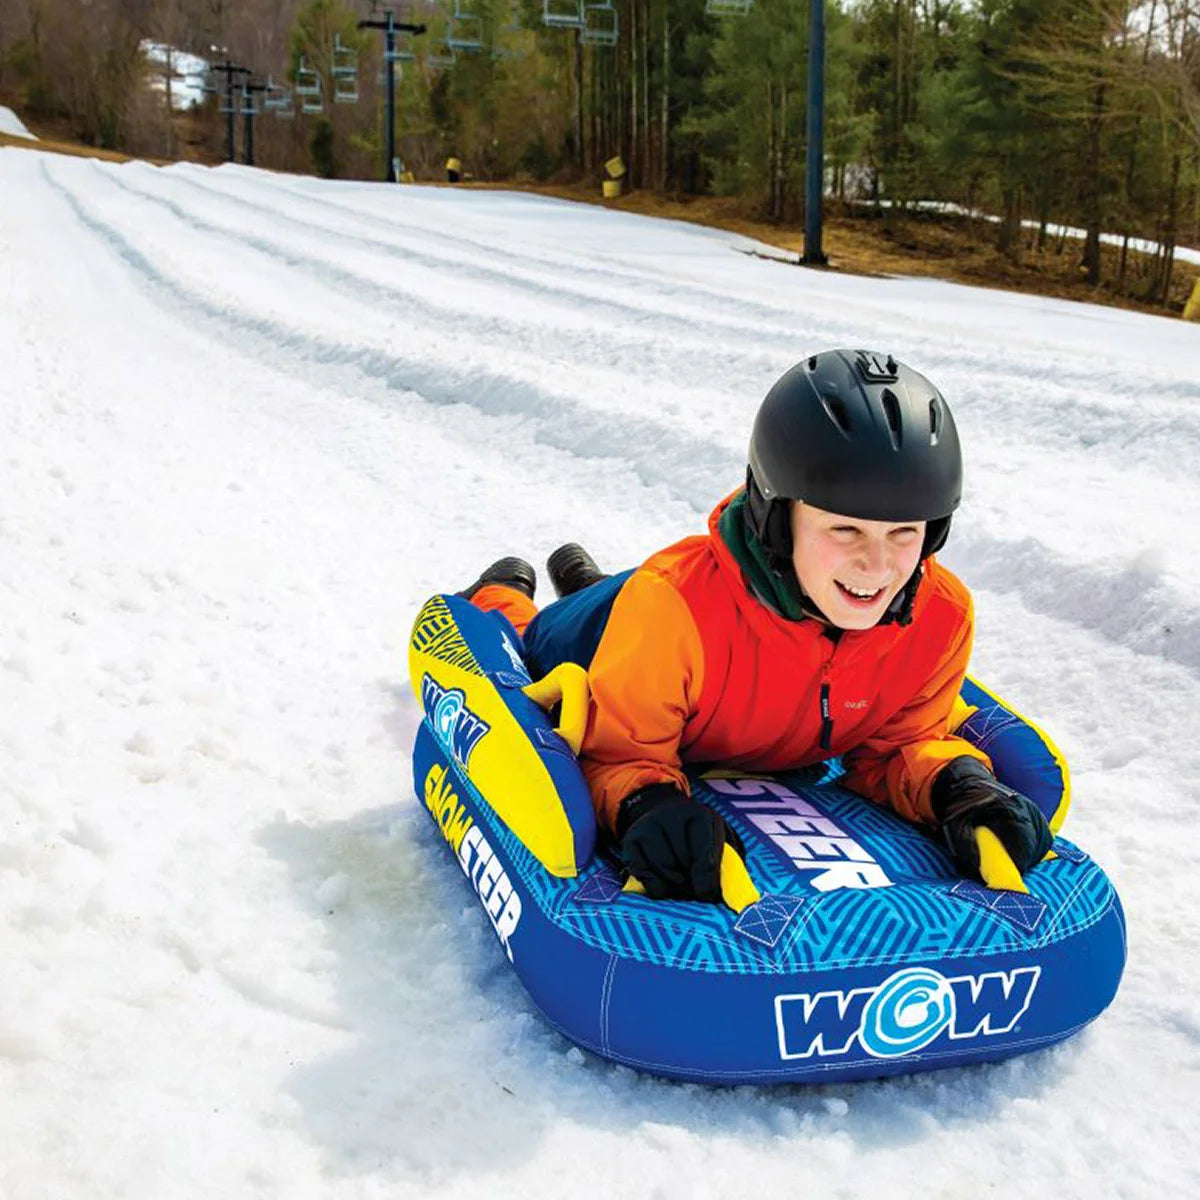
x=673 y=845
x=967 y=800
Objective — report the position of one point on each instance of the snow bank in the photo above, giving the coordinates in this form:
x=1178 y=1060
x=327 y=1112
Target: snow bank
x=11 y=124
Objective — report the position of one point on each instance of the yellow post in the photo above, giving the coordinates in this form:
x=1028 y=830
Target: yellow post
x=611 y=188
x=1191 y=310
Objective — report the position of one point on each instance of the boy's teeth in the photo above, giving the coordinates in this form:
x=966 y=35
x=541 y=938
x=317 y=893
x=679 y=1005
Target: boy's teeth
x=860 y=592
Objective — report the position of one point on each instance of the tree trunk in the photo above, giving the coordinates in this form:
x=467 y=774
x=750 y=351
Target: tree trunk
x=1091 y=245
x=665 y=113
x=647 y=120
x=1171 y=230
x=781 y=158
x=634 y=123
x=1009 y=242
x=577 y=72
x=170 y=70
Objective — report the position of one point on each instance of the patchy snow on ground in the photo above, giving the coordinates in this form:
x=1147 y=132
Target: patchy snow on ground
x=1053 y=230
x=11 y=124
x=249 y=423
x=188 y=73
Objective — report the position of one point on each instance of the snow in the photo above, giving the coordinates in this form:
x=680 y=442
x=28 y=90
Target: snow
x=188 y=73
x=12 y=125
x=1053 y=230
x=250 y=422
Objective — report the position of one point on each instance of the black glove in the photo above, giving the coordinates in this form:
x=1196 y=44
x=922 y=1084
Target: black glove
x=671 y=844
x=966 y=796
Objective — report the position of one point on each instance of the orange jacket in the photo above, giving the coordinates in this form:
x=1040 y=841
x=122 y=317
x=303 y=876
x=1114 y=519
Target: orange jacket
x=694 y=668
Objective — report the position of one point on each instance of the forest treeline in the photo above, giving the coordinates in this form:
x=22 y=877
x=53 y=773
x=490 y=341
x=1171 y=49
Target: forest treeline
x=1077 y=112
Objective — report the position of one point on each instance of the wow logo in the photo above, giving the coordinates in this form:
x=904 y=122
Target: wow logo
x=455 y=725
x=905 y=1013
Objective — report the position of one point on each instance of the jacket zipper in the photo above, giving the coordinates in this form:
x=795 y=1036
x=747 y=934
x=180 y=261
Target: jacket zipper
x=826 y=711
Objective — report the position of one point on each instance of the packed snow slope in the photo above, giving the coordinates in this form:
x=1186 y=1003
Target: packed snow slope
x=248 y=424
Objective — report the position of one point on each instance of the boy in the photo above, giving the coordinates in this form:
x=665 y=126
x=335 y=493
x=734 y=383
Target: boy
x=811 y=621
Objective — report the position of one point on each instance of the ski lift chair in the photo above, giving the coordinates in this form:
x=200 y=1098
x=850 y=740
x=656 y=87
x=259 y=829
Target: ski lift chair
x=465 y=29
x=440 y=54
x=278 y=99
x=728 y=8
x=502 y=46
x=601 y=25
x=405 y=50
x=247 y=102
x=563 y=14
x=308 y=88
x=344 y=72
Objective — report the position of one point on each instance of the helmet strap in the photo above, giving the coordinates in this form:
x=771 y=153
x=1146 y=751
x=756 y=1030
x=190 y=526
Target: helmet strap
x=770 y=521
x=900 y=611
x=936 y=533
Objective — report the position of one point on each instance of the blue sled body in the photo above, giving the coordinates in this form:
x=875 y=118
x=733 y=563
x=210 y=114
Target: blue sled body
x=866 y=956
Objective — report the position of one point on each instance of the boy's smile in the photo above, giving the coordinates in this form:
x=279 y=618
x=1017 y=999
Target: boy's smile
x=851 y=568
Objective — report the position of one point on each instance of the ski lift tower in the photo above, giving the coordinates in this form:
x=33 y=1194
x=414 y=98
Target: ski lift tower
x=228 y=103
x=390 y=27
x=249 y=108
x=814 y=256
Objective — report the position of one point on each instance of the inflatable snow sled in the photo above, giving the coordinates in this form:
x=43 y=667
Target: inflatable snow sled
x=858 y=951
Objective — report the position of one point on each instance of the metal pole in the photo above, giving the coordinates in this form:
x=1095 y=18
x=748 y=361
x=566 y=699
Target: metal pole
x=389 y=63
x=815 y=174
x=390 y=28
x=248 y=135
x=229 y=127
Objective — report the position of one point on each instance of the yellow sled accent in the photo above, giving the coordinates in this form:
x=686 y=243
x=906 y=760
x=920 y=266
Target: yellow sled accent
x=504 y=764
x=997 y=869
x=567 y=685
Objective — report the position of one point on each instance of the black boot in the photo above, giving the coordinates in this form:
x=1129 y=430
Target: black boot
x=511 y=572
x=572 y=569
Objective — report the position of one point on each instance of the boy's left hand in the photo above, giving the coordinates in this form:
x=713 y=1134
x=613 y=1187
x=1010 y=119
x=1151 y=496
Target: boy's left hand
x=967 y=797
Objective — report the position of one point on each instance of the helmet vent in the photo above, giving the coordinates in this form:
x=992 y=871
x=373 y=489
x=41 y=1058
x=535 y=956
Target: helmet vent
x=835 y=406
x=891 y=411
x=935 y=422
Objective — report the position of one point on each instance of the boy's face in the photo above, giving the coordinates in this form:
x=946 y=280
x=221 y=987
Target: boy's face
x=852 y=569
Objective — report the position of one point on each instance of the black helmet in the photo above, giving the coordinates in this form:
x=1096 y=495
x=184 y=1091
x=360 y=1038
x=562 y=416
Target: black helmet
x=858 y=433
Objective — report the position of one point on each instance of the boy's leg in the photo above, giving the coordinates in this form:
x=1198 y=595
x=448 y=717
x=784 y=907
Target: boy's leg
x=509 y=601
x=506 y=587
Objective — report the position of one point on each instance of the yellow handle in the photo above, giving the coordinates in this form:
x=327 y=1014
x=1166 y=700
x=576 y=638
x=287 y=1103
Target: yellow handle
x=566 y=684
x=997 y=869
x=737 y=888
